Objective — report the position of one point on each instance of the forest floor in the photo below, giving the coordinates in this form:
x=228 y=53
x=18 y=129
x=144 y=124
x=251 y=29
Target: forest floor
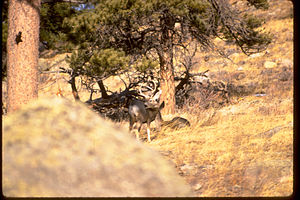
x=244 y=148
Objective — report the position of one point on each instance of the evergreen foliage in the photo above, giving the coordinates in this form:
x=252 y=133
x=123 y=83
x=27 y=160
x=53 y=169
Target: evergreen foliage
x=51 y=28
x=101 y=64
x=52 y=31
x=109 y=33
x=136 y=26
x=140 y=27
x=4 y=36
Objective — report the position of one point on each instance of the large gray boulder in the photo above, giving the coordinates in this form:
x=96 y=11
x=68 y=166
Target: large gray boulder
x=56 y=148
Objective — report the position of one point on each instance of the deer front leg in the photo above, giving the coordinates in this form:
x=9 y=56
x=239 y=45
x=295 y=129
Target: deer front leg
x=148 y=131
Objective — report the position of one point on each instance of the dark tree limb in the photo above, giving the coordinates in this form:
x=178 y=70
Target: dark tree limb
x=74 y=89
x=102 y=89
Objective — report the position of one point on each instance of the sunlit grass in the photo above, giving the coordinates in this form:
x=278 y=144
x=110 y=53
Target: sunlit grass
x=242 y=149
x=232 y=146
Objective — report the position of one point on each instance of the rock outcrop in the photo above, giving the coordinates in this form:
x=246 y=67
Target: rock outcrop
x=57 y=148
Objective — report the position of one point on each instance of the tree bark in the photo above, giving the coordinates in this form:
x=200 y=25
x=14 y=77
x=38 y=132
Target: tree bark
x=104 y=94
x=167 y=83
x=74 y=89
x=165 y=53
x=22 y=48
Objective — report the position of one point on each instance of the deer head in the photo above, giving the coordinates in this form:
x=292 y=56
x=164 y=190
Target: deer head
x=151 y=94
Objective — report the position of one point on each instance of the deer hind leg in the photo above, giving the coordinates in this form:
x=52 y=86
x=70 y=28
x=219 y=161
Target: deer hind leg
x=137 y=133
x=148 y=131
x=130 y=124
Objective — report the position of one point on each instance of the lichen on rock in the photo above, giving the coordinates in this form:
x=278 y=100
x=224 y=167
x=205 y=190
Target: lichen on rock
x=58 y=148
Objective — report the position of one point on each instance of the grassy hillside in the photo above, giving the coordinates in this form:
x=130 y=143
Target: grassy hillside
x=244 y=148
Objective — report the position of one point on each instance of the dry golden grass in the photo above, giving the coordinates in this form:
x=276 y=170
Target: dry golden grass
x=246 y=147
x=220 y=155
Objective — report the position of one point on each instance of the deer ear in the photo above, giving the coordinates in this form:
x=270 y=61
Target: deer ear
x=162 y=105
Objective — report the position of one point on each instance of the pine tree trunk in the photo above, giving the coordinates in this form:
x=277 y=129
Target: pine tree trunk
x=104 y=94
x=165 y=53
x=74 y=89
x=167 y=82
x=22 y=49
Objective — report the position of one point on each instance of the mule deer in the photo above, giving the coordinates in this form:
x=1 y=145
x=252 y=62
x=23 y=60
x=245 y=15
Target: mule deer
x=141 y=113
x=146 y=112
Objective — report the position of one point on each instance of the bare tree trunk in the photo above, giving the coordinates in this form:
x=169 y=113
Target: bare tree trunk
x=22 y=48
x=165 y=53
x=167 y=83
x=74 y=89
x=102 y=89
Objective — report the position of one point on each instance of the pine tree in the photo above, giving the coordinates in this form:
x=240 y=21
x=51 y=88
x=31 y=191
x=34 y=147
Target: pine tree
x=52 y=30
x=140 y=27
x=22 y=48
x=4 y=36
